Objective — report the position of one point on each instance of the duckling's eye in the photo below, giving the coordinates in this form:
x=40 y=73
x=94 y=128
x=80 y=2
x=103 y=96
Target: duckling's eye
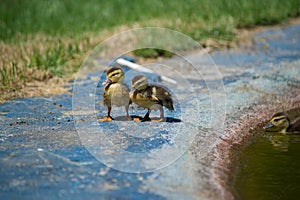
x=277 y=120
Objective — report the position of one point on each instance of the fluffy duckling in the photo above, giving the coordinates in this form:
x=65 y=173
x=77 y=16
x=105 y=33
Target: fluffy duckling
x=152 y=97
x=281 y=123
x=115 y=92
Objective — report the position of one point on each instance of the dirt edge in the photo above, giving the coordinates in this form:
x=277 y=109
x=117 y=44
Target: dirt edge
x=242 y=133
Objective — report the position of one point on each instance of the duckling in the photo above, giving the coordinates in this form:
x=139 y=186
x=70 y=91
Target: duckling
x=152 y=97
x=115 y=92
x=281 y=123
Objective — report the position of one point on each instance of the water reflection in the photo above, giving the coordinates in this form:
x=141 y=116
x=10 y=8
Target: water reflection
x=268 y=168
x=280 y=142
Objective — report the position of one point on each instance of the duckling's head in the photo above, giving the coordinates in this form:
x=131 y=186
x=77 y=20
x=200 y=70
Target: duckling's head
x=114 y=75
x=139 y=82
x=278 y=123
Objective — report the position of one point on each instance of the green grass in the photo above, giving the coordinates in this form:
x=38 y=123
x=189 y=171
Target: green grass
x=53 y=58
x=10 y=75
x=70 y=23
x=71 y=17
x=153 y=53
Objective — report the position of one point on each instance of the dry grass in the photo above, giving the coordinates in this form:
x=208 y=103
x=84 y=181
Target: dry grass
x=43 y=65
x=39 y=66
x=38 y=49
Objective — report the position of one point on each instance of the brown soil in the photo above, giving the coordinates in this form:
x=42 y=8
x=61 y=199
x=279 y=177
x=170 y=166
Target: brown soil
x=48 y=87
x=245 y=36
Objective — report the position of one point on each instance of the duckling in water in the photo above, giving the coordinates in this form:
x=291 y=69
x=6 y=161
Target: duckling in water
x=115 y=92
x=281 y=123
x=152 y=97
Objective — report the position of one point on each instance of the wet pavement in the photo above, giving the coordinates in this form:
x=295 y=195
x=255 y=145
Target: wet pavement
x=55 y=148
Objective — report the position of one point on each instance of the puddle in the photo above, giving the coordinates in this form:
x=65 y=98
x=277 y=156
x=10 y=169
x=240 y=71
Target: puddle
x=268 y=168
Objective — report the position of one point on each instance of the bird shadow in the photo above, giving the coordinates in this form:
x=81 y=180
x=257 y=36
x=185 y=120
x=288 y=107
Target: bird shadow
x=139 y=118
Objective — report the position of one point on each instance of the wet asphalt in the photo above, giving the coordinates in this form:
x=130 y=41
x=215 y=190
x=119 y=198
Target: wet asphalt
x=50 y=149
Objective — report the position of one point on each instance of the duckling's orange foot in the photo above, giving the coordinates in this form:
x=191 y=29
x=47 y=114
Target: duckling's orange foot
x=157 y=120
x=136 y=119
x=105 y=119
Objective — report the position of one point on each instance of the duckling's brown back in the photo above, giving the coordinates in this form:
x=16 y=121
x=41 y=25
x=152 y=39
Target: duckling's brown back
x=163 y=95
x=293 y=114
x=295 y=126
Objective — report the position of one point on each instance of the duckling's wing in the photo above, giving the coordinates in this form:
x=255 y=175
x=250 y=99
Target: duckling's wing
x=150 y=93
x=164 y=96
x=295 y=126
x=106 y=97
x=122 y=89
x=148 y=96
x=126 y=91
x=116 y=94
x=144 y=98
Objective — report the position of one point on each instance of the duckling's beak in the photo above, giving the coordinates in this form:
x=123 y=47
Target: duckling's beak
x=269 y=125
x=131 y=92
x=106 y=82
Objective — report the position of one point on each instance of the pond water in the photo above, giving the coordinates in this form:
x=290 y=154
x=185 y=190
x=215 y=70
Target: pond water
x=269 y=168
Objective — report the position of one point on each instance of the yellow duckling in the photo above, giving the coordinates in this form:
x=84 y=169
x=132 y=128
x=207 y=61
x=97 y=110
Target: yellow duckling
x=115 y=92
x=281 y=123
x=152 y=97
